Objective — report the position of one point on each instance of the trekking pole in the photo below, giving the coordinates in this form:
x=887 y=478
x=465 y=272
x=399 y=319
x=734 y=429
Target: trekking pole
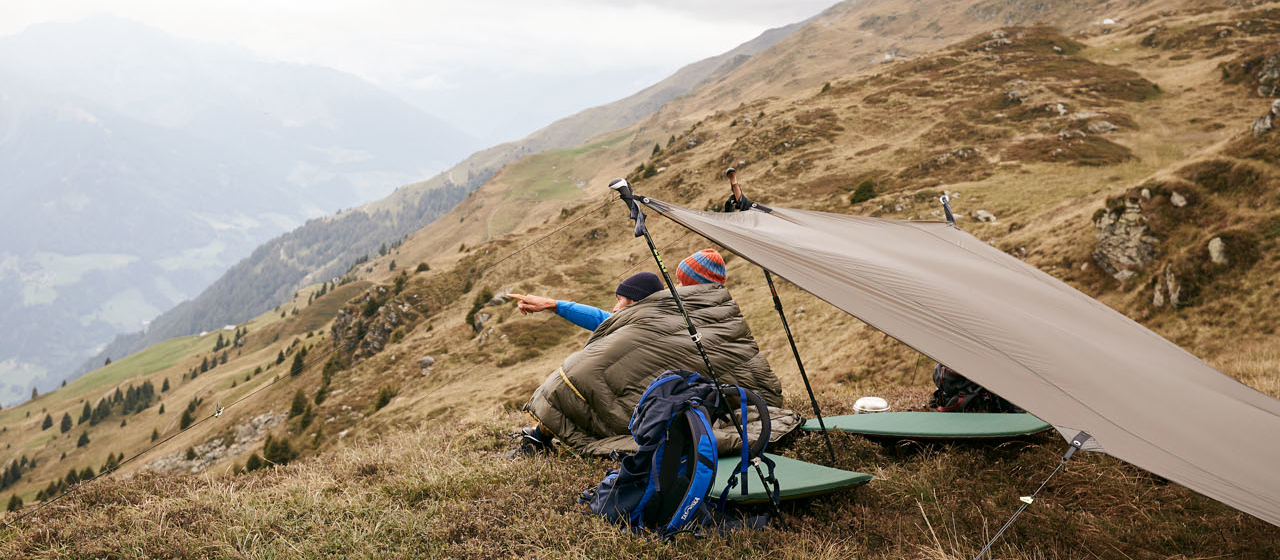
x=742 y=203
x=624 y=192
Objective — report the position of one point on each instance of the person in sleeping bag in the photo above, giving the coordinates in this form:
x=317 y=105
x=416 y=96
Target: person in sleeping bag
x=587 y=402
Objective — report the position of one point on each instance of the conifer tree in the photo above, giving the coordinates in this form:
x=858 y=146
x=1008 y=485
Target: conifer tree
x=34 y=393
x=155 y=434
x=280 y=358
x=165 y=386
x=278 y=451
x=66 y=422
x=48 y=422
x=15 y=503
x=299 y=404
x=84 y=439
x=296 y=367
x=86 y=413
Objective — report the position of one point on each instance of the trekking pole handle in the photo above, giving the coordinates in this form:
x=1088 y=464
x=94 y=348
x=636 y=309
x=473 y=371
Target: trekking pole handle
x=946 y=207
x=624 y=192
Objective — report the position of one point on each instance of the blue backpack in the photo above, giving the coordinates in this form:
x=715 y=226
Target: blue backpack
x=664 y=487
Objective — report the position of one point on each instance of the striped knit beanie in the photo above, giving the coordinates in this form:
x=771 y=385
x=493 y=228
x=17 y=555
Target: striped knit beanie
x=704 y=267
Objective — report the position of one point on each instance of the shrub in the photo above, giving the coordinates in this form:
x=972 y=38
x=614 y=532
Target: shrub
x=385 y=394
x=866 y=190
x=422 y=267
x=254 y=463
x=477 y=304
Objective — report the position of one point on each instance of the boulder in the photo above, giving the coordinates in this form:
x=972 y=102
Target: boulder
x=499 y=298
x=426 y=362
x=1167 y=289
x=984 y=216
x=1218 y=252
x=1101 y=127
x=1177 y=200
x=1262 y=125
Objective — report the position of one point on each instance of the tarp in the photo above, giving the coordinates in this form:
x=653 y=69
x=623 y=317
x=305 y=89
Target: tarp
x=1061 y=355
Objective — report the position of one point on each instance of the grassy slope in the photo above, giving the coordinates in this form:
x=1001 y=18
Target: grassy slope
x=428 y=478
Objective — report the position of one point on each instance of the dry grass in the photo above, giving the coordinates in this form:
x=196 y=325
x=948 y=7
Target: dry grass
x=445 y=490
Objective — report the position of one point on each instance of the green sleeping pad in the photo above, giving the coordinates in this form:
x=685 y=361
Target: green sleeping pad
x=934 y=425
x=796 y=478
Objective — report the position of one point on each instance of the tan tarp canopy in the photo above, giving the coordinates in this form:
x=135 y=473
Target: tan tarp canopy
x=1061 y=355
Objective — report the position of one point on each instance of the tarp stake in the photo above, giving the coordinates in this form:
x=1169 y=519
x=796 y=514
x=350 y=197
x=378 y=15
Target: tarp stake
x=1076 y=443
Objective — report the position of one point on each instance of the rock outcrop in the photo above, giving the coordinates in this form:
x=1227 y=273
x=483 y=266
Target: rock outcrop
x=1268 y=76
x=364 y=328
x=215 y=450
x=1124 y=244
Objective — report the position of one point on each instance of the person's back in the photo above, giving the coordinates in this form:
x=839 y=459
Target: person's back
x=587 y=403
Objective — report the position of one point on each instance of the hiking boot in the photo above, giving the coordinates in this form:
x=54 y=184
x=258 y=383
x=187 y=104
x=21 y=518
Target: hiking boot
x=529 y=442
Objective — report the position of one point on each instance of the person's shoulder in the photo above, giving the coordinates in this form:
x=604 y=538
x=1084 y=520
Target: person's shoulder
x=704 y=294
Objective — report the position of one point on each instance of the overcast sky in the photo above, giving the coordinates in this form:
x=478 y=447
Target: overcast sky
x=449 y=56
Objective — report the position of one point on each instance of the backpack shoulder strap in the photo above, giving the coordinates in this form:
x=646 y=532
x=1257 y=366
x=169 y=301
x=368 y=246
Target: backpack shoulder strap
x=688 y=471
x=751 y=450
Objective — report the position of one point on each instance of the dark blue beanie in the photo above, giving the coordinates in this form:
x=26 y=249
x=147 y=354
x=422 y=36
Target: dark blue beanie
x=639 y=285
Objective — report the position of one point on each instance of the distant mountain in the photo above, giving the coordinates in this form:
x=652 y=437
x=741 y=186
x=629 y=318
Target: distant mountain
x=139 y=166
x=330 y=245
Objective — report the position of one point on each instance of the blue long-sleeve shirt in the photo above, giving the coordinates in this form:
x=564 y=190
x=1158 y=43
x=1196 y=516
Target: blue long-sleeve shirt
x=583 y=315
